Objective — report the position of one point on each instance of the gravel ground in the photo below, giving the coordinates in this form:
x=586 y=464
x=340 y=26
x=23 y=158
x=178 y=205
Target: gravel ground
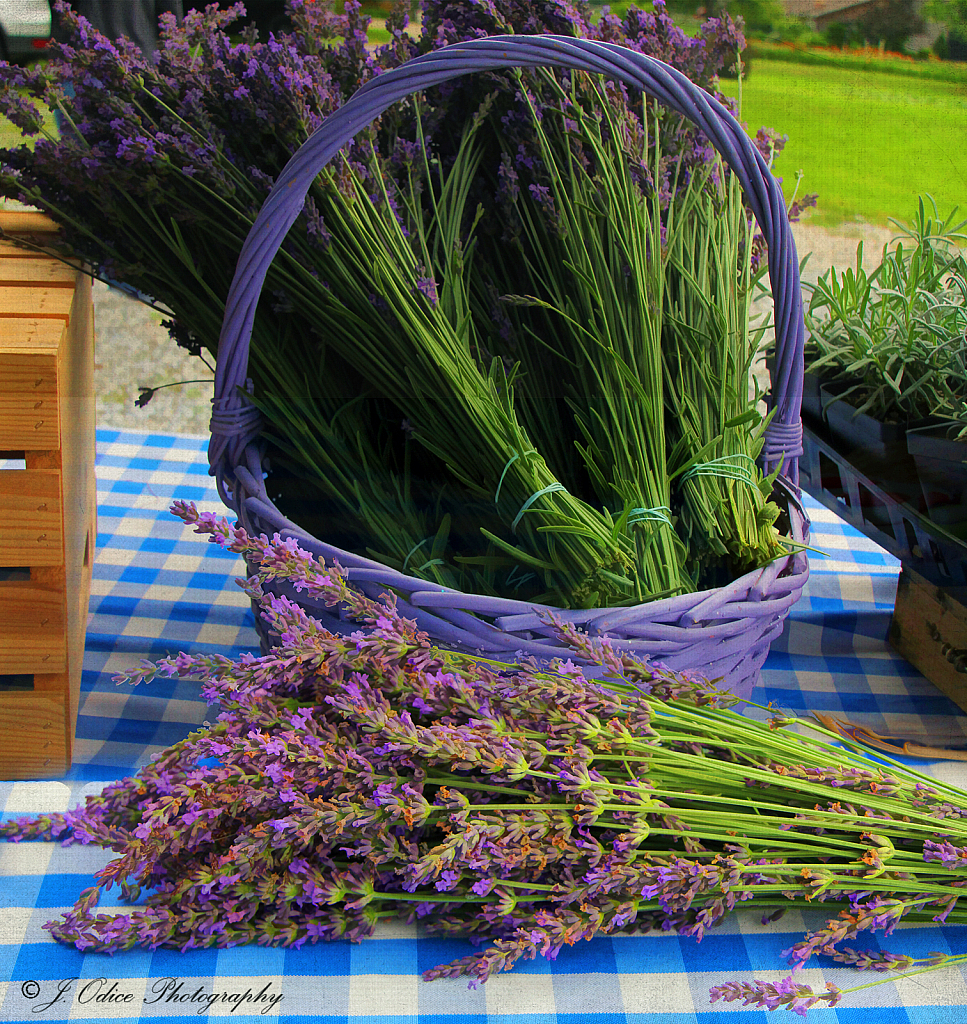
x=133 y=349
x=838 y=249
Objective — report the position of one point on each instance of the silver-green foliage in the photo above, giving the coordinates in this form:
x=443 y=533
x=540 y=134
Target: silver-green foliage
x=897 y=335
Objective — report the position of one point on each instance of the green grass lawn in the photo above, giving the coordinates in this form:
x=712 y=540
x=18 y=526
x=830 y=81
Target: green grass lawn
x=11 y=137
x=869 y=144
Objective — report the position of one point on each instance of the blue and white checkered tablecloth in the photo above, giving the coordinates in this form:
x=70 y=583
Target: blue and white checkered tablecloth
x=159 y=588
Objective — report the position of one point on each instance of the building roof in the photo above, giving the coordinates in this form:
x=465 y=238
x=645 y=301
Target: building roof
x=819 y=8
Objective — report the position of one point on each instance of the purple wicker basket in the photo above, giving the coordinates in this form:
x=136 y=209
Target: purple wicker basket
x=724 y=633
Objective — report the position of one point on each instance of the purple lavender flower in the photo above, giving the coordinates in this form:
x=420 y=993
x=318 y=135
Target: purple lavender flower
x=426 y=286
x=770 y=996
x=952 y=857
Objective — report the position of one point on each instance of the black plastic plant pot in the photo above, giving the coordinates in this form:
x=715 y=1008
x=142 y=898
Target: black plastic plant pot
x=877 y=449
x=941 y=463
x=812 y=402
x=812 y=406
x=856 y=429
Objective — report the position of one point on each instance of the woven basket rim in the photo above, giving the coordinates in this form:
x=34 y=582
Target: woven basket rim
x=727 y=647
x=792 y=568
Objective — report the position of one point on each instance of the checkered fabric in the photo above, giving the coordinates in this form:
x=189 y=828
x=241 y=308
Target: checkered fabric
x=158 y=588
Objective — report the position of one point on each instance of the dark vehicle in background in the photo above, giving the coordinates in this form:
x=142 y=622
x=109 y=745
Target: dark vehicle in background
x=26 y=25
x=268 y=16
x=24 y=29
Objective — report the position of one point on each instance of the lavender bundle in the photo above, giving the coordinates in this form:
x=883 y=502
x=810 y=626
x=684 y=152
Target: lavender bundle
x=410 y=412
x=350 y=779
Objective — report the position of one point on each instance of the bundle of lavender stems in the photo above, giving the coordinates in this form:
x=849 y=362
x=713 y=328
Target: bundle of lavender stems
x=354 y=778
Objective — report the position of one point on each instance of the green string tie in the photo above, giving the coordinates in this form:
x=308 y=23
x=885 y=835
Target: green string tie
x=510 y=462
x=721 y=467
x=419 y=544
x=550 y=488
x=518 y=583
x=433 y=561
x=649 y=515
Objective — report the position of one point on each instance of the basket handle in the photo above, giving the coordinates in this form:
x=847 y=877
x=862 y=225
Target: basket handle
x=236 y=423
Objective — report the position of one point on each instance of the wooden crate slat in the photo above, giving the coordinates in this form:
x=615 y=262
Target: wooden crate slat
x=33 y=627
x=29 y=337
x=28 y=373
x=35 y=736
x=25 y=373
x=23 y=245
x=16 y=271
x=31 y=518
x=29 y=422
x=41 y=301
x=27 y=222
x=9 y=250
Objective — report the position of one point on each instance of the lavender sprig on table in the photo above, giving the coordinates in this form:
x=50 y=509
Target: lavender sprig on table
x=348 y=779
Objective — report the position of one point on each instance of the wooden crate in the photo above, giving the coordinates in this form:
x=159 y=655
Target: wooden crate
x=929 y=629
x=48 y=518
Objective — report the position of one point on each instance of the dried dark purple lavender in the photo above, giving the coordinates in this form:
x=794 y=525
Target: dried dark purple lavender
x=228 y=116
x=684 y=148
x=198 y=133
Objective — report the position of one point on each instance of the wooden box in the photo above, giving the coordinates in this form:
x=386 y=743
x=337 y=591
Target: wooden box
x=48 y=524
x=929 y=629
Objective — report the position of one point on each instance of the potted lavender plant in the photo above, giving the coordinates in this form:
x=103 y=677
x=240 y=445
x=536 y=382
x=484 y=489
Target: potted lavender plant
x=892 y=346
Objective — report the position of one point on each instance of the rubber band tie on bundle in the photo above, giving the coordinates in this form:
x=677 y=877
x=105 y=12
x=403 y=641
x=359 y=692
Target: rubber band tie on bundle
x=510 y=462
x=650 y=515
x=723 y=468
x=432 y=561
x=549 y=489
x=517 y=584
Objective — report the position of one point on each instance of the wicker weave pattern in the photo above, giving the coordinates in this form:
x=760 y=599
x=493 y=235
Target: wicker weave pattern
x=724 y=632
